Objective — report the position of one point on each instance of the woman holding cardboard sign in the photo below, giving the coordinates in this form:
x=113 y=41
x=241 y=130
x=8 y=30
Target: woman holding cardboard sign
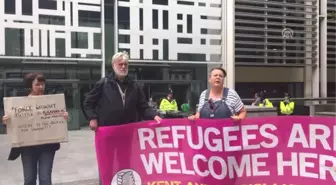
x=35 y=159
x=218 y=102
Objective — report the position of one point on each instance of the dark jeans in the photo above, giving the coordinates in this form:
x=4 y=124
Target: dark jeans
x=36 y=161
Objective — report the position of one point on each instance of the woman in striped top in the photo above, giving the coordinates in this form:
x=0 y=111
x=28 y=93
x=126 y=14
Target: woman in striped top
x=218 y=102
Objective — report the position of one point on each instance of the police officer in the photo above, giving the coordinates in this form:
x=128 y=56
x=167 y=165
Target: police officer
x=168 y=103
x=257 y=99
x=287 y=105
x=264 y=101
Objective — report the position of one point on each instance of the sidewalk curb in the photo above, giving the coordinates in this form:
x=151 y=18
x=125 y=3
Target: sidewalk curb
x=82 y=182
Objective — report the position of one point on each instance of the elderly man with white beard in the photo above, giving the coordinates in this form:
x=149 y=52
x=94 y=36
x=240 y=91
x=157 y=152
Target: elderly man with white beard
x=116 y=100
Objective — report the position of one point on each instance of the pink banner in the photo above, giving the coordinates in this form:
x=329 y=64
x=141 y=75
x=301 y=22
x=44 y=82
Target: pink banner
x=257 y=151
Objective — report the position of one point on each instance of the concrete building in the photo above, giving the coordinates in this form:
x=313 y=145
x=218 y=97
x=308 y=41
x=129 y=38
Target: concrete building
x=280 y=46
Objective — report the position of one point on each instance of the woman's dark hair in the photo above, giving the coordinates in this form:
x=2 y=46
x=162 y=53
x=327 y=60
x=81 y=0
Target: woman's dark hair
x=30 y=77
x=219 y=68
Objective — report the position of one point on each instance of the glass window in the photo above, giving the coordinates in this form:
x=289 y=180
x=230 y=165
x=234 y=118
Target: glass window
x=14 y=89
x=14 y=42
x=109 y=12
x=89 y=19
x=109 y=40
x=60 y=47
x=51 y=19
x=186 y=80
x=79 y=40
x=27 y=7
x=9 y=7
x=47 y=4
x=97 y=40
x=67 y=89
x=124 y=18
x=83 y=73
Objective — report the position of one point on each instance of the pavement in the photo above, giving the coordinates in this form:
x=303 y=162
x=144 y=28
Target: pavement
x=75 y=163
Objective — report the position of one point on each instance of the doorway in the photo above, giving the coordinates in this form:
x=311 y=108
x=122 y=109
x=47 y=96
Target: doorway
x=181 y=94
x=159 y=89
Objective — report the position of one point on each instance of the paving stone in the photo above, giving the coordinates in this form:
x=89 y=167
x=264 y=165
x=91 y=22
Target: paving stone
x=75 y=163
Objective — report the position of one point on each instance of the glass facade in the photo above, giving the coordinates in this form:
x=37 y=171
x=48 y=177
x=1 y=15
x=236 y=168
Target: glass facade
x=39 y=28
x=276 y=31
x=283 y=33
x=331 y=35
x=172 y=44
x=331 y=44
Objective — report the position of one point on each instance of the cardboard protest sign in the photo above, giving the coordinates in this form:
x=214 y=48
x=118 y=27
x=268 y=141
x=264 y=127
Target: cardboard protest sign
x=284 y=150
x=36 y=120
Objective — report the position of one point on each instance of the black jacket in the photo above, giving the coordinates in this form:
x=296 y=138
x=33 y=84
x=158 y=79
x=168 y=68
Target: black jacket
x=104 y=102
x=15 y=152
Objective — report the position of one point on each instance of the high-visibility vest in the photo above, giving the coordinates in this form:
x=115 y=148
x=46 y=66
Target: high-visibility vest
x=167 y=105
x=287 y=109
x=266 y=103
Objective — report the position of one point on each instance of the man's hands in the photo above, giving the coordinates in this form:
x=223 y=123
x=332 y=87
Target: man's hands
x=158 y=119
x=93 y=124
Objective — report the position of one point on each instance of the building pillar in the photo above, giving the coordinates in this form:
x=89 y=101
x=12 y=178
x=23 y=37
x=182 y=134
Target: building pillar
x=166 y=74
x=308 y=62
x=116 y=27
x=228 y=41
x=2 y=73
x=311 y=72
x=316 y=67
x=102 y=40
x=323 y=47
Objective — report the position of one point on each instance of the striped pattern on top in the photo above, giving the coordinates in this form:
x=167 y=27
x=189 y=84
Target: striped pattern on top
x=233 y=101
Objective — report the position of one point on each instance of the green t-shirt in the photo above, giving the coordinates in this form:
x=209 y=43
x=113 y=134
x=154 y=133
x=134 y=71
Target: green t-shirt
x=185 y=107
